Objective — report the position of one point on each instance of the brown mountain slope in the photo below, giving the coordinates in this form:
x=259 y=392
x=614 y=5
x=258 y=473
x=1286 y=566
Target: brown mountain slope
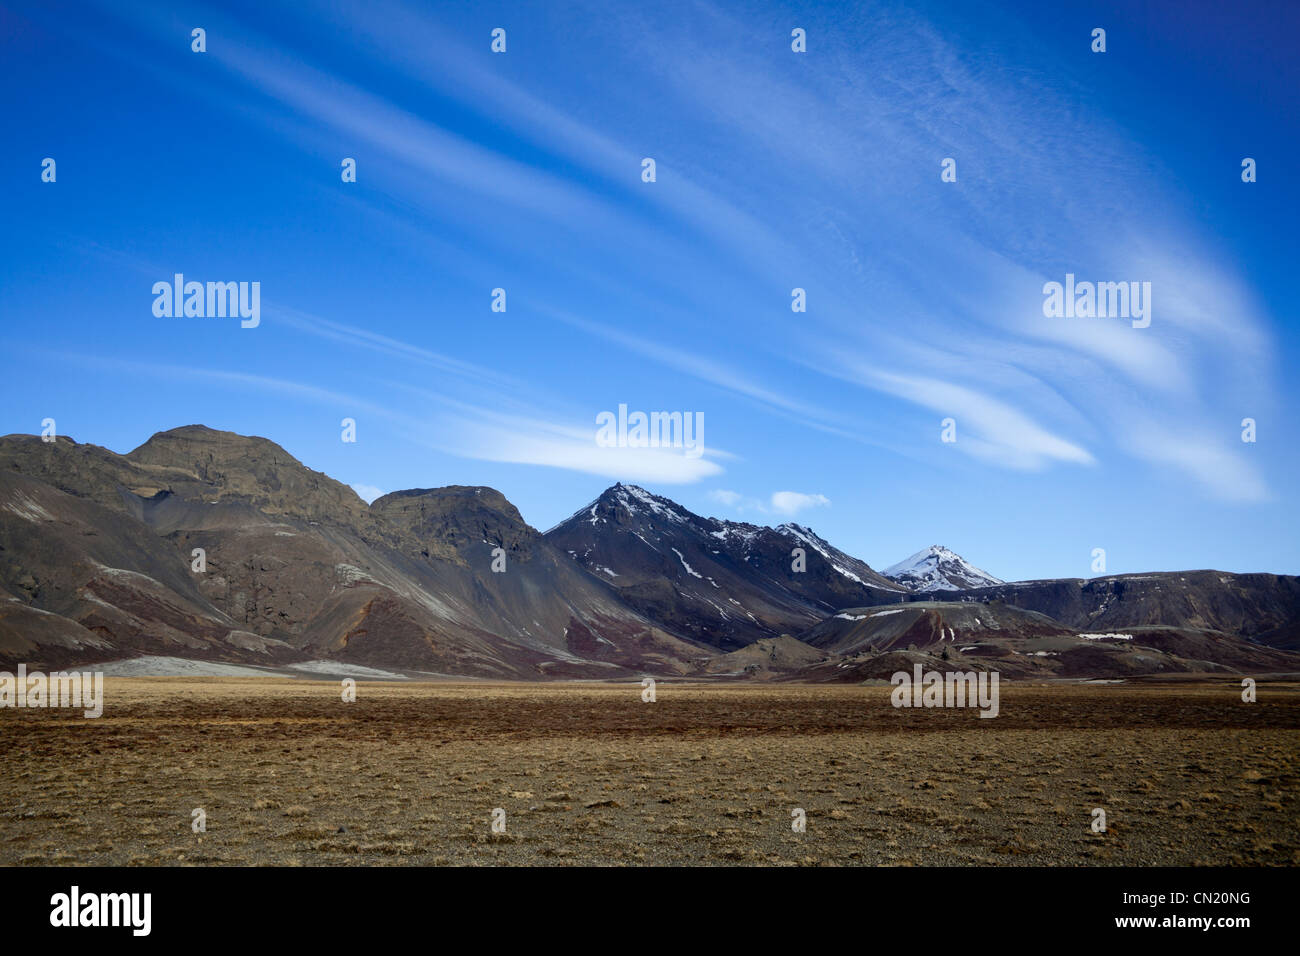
x=296 y=566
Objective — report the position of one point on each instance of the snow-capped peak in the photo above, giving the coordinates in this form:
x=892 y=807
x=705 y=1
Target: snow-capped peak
x=938 y=569
x=806 y=535
x=639 y=501
x=634 y=498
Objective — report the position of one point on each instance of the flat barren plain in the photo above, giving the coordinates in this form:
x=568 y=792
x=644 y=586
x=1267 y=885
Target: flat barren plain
x=286 y=773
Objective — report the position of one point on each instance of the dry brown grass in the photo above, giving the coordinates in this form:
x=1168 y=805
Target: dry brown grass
x=588 y=774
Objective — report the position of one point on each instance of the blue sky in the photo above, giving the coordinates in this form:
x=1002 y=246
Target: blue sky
x=775 y=170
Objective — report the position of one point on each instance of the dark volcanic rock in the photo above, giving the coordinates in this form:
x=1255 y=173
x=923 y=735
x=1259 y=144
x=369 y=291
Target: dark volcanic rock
x=723 y=583
x=963 y=636
x=1262 y=607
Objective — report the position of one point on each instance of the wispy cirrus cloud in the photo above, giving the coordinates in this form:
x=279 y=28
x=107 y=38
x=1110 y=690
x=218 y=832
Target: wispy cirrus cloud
x=453 y=426
x=989 y=429
x=1207 y=457
x=355 y=337
x=1004 y=228
x=555 y=446
x=922 y=292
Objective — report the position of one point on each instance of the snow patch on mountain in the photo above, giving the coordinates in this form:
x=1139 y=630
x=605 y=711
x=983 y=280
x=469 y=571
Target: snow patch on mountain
x=689 y=570
x=638 y=500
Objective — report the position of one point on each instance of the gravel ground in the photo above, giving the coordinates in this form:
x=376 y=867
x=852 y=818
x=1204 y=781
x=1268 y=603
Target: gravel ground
x=288 y=774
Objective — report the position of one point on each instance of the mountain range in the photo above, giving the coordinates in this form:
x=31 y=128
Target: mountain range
x=213 y=546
